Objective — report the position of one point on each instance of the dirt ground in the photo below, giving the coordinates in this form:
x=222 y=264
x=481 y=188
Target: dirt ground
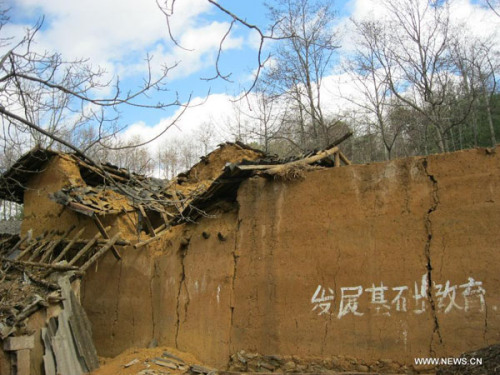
x=153 y=361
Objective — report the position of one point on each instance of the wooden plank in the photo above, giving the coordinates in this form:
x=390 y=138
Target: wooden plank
x=49 y=362
x=19 y=342
x=68 y=246
x=86 y=248
x=106 y=236
x=82 y=334
x=148 y=222
x=101 y=252
x=78 y=207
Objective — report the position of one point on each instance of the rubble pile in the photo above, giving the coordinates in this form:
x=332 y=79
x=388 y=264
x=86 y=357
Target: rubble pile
x=243 y=361
x=490 y=357
x=153 y=361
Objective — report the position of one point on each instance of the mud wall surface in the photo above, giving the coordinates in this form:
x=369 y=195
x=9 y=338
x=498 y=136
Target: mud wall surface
x=390 y=260
x=41 y=213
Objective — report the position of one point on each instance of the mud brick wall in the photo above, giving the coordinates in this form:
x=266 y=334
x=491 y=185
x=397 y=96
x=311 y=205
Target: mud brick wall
x=389 y=260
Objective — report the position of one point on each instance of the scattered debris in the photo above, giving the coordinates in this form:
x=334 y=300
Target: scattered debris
x=159 y=360
x=69 y=348
x=29 y=272
x=490 y=365
x=131 y=363
x=37 y=271
x=254 y=362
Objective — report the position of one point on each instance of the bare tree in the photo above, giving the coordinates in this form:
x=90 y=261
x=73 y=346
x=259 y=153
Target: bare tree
x=368 y=75
x=417 y=66
x=494 y=5
x=300 y=61
x=45 y=98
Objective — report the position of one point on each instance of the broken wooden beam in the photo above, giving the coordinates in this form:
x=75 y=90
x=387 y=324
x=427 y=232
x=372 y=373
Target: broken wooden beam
x=152 y=239
x=58 y=267
x=81 y=208
x=274 y=168
x=340 y=140
x=337 y=159
x=100 y=252
x=344 y=158
x=151 y=230
x=68 y=246
x=27 y=250
x=49 y=251
x=101 y=241
x=41 y=245
x=86 y=248
x=160 y=228
x=42 y=282
x=19 y=243
x=106 y=236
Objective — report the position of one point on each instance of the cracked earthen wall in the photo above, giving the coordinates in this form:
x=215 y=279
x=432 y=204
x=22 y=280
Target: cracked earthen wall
x=246 y=279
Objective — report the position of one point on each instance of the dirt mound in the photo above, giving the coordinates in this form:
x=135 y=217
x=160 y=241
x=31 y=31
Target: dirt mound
x=152 y=361
x=490 y=357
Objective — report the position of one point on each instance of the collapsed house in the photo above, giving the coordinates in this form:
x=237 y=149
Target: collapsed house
x=250 y=262
x=75 y=212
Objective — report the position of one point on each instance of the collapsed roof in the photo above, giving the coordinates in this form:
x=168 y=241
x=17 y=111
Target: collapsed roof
x=108 y=189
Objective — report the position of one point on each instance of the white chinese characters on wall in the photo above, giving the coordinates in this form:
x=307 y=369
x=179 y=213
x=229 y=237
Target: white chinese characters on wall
x=385 y=300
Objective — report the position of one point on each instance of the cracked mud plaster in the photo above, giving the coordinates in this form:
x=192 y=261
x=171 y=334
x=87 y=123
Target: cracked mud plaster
x=233 y=282
x=428 y=227
x=117 y=309
x=182 y=283
x=432 y=201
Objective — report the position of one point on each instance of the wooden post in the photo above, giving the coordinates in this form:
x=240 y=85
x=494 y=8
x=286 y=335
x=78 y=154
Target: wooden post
x=22 y=346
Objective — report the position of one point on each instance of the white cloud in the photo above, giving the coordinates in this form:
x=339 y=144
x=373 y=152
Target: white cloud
x=214 y=109
x=119 y=33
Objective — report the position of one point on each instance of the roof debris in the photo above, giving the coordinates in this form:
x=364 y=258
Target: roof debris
x=30 y=268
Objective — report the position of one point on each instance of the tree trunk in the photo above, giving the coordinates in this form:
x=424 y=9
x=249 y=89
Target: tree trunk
x=490 y=121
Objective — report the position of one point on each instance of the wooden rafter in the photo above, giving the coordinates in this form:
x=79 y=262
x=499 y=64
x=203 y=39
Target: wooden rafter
x=106 y=236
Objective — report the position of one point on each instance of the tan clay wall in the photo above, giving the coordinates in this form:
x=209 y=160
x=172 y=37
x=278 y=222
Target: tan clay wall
x=116 y=324
x=372 y=232
x=41 y=213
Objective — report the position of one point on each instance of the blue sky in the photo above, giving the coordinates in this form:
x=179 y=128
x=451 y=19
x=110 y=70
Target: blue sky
x=77 y=31
x=118 y=34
